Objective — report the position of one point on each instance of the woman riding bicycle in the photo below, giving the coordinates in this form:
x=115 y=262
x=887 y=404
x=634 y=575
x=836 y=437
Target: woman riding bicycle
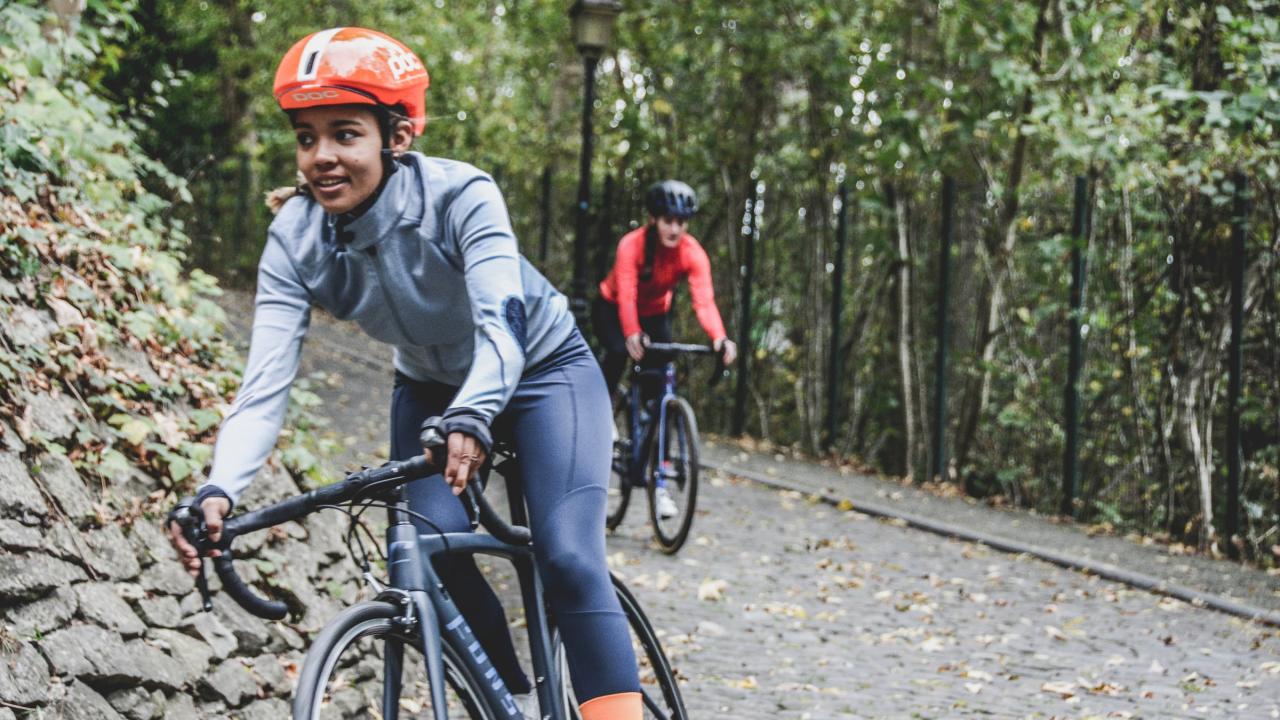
x=419 y=251
x=634 y=305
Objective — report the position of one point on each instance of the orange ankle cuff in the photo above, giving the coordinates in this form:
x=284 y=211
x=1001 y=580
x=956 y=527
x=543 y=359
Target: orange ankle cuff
x=619 y=706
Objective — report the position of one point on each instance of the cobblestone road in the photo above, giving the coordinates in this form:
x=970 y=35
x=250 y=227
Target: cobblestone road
x=824 y=614
x=781 y=608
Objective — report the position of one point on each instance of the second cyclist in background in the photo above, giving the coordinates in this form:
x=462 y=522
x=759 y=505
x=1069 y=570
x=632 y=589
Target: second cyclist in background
x=634 y=306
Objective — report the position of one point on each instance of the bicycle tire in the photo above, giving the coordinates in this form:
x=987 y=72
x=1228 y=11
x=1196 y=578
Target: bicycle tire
x=371 y=622
x=619 y=489
x=671 y=533
x=666 y=703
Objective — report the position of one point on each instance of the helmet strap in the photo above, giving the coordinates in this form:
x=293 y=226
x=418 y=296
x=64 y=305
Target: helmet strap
x=385 y=125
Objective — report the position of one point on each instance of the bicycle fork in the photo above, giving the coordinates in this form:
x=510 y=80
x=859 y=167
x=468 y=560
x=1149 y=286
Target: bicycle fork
x=663 y=471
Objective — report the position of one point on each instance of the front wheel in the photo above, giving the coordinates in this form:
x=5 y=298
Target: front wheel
x=672 y=470
x=363 y=665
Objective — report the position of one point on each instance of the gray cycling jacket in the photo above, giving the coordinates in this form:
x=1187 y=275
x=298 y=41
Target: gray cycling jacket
x=431 y=269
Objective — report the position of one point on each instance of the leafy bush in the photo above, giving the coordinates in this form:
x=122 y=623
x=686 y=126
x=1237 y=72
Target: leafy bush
x=98 y=310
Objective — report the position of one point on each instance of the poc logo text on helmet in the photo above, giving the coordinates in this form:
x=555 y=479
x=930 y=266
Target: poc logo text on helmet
x=314 y=95
x=402 y=62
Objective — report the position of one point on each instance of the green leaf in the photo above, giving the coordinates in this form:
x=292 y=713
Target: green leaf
x=135 y=430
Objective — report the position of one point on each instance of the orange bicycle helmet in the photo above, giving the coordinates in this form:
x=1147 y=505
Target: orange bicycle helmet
x=353 y=66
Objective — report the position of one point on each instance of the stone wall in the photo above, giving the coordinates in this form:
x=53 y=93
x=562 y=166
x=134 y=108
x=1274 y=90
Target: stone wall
x=98 y=619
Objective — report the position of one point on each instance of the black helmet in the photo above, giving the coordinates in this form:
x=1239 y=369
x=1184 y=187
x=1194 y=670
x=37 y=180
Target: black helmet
x=671 y=197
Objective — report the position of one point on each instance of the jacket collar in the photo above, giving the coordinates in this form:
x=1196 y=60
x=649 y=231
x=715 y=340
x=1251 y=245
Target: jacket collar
x=386 y=212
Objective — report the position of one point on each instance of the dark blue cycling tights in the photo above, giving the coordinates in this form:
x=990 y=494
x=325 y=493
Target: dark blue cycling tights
x=558 y=420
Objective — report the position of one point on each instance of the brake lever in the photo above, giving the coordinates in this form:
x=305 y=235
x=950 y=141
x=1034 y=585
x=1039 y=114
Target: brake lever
x=472 y=505
x=720 y=371
x=202 y=584
x=196 y=533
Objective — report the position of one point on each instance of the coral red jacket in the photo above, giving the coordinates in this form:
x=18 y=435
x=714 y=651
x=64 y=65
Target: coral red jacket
x=636 y=299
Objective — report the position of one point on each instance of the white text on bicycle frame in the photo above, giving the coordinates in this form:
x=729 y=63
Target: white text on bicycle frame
x=495 y=682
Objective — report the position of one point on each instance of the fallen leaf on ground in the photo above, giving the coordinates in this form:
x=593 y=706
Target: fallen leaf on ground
x=933 y=644
x=1054 y=633
x=712 y=590
x=1065 y=689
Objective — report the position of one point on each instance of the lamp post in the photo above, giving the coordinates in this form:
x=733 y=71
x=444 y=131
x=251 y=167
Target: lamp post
x=592 y=31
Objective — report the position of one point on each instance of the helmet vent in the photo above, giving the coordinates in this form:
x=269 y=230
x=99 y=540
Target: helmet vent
x=315 y=47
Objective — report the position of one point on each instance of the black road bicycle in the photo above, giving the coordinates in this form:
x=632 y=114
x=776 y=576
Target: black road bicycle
x=409 y=653
x=659 y=451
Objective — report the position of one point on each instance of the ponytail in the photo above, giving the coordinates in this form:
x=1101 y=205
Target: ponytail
x=277 y=198
x=650 y=250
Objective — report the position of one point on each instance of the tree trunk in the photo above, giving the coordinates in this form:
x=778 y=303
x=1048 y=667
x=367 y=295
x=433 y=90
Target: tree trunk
x=1140 y=411
x=907 y=384
x=1201 y=456
x=999 y=248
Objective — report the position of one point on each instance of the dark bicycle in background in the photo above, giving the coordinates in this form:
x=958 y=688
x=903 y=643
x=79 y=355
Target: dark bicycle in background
x=657 y=446
x=408 y=653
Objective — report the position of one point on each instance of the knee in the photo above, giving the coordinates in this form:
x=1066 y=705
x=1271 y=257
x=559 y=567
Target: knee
x=572 y=553
x=574 y=579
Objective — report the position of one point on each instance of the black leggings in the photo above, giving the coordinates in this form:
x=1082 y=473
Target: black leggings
x=557 y=420
x=614 y=359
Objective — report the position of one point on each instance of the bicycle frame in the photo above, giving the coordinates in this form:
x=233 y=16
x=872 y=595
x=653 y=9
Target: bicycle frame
x=415 y=587
x=413 y=576
x=640 y=430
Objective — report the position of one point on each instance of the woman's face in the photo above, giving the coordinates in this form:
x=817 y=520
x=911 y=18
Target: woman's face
x=670 y=229
x=339 y=152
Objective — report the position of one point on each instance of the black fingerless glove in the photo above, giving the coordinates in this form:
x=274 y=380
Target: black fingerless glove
x=210 y=491
x=463 y=420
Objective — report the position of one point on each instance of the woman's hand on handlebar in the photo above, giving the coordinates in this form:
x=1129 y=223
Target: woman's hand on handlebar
x=635 y=346
x=727 y=349
x=214 y=509
x=465 y=456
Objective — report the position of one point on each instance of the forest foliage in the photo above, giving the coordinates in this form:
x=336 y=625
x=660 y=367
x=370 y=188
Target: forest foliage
x=770 y=105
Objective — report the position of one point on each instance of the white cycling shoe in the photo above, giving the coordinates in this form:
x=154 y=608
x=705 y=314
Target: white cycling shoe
x=665 y=505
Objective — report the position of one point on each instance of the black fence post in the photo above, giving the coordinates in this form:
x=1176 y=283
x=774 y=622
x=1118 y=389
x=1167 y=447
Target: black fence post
x=580 y=239
x=944 y=328
x=1239 y=230
x=546 y=217
x=604 y=245
x=1070 y=479
x=748 y=270
x=837 y=307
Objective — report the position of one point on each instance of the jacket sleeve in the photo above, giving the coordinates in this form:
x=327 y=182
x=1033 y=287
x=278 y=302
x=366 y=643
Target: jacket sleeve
x=698 y=267
x=626 y=269
x=477 y=221
x=281 y=316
